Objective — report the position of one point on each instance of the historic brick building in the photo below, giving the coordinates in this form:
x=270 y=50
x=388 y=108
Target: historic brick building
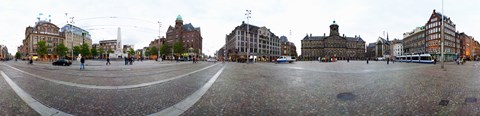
x=467 y=43
x=341 y=47
x=42 y=31
x=433 y=37
x=189 y=36
x=287 y=48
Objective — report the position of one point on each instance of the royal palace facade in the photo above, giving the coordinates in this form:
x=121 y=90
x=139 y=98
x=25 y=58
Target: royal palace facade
x=333 y=46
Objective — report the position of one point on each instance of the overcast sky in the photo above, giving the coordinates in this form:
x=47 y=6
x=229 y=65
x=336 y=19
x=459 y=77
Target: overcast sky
x=216 y=18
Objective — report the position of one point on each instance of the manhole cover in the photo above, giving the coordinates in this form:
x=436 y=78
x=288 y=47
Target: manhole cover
x=443 y=102
x=345 y=96
x=470 y=100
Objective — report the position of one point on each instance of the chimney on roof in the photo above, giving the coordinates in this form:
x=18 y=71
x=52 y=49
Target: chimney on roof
x=310 y=35
x=343 y=35
x=355 y=36
x=324 y=35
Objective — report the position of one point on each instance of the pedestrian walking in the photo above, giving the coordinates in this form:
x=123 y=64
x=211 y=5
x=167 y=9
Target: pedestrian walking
x=82 y=63
x=31 y=61
x=388 y=60
x=367 y=60
x=131 y=60
x=108 y=61
x=348 y=59
x=434 y=61
x=126 y=60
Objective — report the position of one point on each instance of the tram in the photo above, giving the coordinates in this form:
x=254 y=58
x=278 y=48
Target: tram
x=416 y=58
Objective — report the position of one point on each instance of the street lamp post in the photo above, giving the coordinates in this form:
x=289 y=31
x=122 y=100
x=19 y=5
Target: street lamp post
x=249 y=12
x=442 y=60
x=159 y=33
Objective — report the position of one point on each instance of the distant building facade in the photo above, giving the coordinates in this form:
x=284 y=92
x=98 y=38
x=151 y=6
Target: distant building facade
x=414 y=41
x=287 y=48
x=371 y=51
x=433 y=37
x=126 y=48
x=75 y=36
x=264 y=44
x=189 y=36
x=467 y=43
x=334 y=45
x=3 y=52
x=397 y=48
x=108 y=45
x=42 y=31
x=382 y=48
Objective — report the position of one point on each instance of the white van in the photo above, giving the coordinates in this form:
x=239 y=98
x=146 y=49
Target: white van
x=288 y=59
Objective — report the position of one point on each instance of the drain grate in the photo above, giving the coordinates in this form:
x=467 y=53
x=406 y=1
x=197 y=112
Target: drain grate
x=346 y=96
x=470 y=100
x=443 y=102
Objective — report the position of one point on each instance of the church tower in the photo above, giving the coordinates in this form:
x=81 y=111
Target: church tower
x=334 y=29
x=178 y=28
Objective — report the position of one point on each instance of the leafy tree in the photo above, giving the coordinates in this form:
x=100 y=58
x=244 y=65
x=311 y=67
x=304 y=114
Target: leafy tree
x=147 y=52
x=131 y=52
x=85 y=51
x=94 y=52
x=164 y=49
x=178 y=47
x=76 y=50
x=153 y=51
x=109 y=50
x=61 y=50
x=42 y=48
x=101 y=51
x=18 y=55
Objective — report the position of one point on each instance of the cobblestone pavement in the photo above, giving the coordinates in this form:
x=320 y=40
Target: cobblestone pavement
x=341 y=88
x=10 y=103
x=301 y=88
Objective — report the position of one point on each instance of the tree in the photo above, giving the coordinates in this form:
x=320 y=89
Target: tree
x=42 y=48
x=61 y=50
x=85 y=51
x=94 y=52
x=131 y=52
x=164 y=49
x=147 y=52
x=18 y=55
x=178 y=47
x=76 y=50
x=101 y=51
x=110 y=50
x=153 y=51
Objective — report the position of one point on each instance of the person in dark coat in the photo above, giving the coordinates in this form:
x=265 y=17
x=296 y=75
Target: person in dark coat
x=367 y=60
x=82 y=63
x=108 y=61
x=131 y=60
x=388 y=60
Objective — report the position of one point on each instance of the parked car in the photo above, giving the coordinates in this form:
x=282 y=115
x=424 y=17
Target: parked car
x=62 y=62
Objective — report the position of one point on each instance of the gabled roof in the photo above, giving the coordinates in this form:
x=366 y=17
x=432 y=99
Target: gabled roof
x=371 y=45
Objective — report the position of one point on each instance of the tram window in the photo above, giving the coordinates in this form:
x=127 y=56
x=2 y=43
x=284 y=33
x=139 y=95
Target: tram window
x=425 y=58
x=414 y=58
